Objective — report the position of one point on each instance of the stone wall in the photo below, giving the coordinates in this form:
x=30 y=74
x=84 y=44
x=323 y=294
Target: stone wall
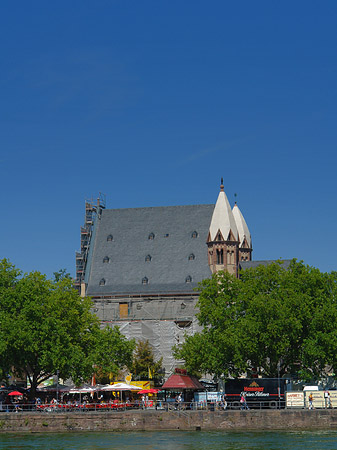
x=172 y=420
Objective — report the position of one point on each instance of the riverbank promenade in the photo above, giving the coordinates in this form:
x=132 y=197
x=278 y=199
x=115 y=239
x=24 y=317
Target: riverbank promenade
x=151 y=420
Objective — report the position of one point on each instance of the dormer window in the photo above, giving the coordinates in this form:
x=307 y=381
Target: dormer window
x=151 y=236
x=191 y=257
x=188 y=279
x=148 y=258
x=102 y=282
x=106 y=259
x=110 y=238
x=145 y=281
x=194 y=235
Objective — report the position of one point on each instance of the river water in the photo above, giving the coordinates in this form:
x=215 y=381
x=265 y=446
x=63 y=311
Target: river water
x=180 y=440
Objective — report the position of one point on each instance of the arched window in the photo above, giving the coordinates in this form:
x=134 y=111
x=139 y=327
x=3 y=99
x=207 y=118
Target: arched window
x=191 y=257
x=102 y=282
x=106 y=259
x=194 y=235
x=188 y=279
x=110 y=238
x=148 y=258
x=219 y=256
x=145 y=281
x=151 y=236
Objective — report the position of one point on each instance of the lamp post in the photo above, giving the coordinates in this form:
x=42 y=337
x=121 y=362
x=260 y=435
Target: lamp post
x=57 y=386
x=278 y=385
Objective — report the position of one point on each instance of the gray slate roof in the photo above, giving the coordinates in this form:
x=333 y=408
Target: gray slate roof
x=172 y=227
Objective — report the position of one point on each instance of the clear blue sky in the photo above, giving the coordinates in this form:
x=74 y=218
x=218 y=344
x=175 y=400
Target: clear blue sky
x=152 y=102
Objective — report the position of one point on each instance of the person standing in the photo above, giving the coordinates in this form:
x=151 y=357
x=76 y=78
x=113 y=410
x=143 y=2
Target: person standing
x=326 y=398
x=311 y=406
x=243 y=401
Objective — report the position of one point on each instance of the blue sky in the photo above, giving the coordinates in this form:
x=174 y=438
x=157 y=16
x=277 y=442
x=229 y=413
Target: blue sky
x=151 y=103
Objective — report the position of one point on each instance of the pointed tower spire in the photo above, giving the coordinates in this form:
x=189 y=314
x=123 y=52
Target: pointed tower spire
x=223 y=236
x=223 y=219
x=245 y=238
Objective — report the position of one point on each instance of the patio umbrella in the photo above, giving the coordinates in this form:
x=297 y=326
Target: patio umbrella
x=120 y=387
x=15 y=393
x=148 y=391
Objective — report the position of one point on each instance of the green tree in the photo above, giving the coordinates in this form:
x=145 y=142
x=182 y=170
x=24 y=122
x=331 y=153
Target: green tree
x=274 y=320
x=46 y=326
x=61 y=274
x=144 y=365
x=112 y=352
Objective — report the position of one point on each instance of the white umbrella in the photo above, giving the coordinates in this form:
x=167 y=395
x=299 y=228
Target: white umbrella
x=82 y=390
x=120 y=387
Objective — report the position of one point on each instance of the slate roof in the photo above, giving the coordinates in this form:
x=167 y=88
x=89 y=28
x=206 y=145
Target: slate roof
x=172 y=227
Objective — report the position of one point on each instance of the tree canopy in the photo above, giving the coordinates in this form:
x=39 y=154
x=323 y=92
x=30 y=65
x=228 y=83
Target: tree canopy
x=272 y=320
x=47 y=327
x=144 y=366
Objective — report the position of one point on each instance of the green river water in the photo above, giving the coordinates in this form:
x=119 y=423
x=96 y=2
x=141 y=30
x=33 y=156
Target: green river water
x=319 y=440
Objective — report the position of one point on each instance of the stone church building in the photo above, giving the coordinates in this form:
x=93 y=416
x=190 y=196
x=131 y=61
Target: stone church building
x=141 y=266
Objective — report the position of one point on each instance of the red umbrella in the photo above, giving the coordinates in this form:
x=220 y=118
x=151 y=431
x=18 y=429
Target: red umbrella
x=15 y=393
x=148 y=391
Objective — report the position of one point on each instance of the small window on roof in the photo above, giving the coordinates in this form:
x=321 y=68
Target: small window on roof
x=102 y=282
x=148 y=258
x=110 y=238
x=151 y=236
x=145 y=280
x=194 y=235
x=106 y=259
x=191 y=257
x=188 y=279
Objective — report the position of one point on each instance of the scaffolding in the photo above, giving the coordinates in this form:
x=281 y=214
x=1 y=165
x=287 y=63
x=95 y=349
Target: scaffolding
x=92 y=212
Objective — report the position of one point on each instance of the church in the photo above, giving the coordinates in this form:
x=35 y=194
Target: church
x=141 y=266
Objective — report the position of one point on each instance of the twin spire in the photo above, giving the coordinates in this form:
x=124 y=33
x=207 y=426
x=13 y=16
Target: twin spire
x=229 y=240
x=230 y=223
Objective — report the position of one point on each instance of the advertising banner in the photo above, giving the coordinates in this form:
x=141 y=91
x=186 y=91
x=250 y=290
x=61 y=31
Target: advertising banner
x=295 y=399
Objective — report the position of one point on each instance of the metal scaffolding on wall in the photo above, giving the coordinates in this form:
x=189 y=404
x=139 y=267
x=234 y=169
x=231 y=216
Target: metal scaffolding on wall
x=92 y=211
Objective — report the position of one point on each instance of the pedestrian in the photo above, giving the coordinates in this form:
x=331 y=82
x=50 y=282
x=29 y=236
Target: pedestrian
x=179 y=401
x=326 y=398
x=243 y=401
x=311 y=406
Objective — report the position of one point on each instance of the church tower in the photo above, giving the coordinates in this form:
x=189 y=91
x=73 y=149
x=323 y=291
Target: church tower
x=229 y=240
x=245 y=239
x=223 y=237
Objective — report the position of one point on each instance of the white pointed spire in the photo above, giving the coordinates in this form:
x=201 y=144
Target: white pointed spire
x=222 y=218
x=242 y=227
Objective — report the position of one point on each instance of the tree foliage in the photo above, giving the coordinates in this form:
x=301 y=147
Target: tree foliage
x=144 y=365
x=274 y=320
x=47 y=327
x=112 y=352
